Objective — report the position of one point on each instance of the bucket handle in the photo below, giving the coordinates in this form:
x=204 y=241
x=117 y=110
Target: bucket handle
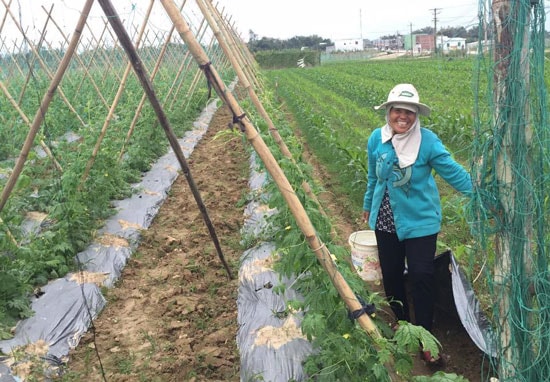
x=353 y=240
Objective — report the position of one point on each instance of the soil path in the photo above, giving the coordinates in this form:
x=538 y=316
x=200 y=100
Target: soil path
x=173 y=314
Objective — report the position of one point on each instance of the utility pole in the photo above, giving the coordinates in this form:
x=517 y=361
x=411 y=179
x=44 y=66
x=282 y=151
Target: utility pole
x=412 y=44
x=435 y=11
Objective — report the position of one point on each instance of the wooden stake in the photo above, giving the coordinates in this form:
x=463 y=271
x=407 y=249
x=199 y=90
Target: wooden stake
x=126 y=43
x=114 y=105
x=514 y=138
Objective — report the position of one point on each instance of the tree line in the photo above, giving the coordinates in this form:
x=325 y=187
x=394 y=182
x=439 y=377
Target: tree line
x=315 y=42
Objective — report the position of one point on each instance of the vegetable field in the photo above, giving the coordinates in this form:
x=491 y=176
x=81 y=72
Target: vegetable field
x=90 y=116
x=334 y=109
x=96 y=138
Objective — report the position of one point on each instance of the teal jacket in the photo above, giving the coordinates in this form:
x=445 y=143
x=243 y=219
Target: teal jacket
x=413 y=192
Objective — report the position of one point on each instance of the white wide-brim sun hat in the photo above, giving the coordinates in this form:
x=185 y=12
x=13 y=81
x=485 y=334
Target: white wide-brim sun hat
x=405 y=94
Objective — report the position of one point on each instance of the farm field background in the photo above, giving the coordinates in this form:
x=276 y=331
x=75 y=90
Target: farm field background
x=66 y=172
x=330 y=109
x=333 y=108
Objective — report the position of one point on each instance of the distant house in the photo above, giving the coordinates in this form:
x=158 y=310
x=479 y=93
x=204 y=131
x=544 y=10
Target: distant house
x=474 y=47
x=426 y=42
x=450 y=44
x=385 y=44
x=421 y=43
x=348 y=45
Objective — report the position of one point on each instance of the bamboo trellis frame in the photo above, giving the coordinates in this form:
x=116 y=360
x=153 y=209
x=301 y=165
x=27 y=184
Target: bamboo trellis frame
x=273 y=168
x=46 y=68
x=114 y=105
x=95 y=48
x=39 y=116
x=242 y=60
x=163 y=120
x=84 y=68
x=29 y=74
x=216 y=24
x=144 y=96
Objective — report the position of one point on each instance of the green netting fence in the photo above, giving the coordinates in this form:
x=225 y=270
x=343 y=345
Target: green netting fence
x=510 y=205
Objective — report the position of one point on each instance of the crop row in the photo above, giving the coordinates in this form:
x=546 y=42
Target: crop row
x=62 y=196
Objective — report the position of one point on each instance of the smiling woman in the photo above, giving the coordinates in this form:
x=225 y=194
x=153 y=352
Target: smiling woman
x=402 y=203
x=401 y=118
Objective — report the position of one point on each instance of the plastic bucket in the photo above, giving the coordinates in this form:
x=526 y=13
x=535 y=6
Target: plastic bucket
x=364 y=255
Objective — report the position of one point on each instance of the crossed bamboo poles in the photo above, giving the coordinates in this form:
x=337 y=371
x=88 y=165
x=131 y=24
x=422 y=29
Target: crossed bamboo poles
x=253 y=136
x=321 y=251
x=225 y=39
x=302 y=219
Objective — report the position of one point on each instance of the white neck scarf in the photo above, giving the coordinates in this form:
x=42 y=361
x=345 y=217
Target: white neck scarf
x=406 y=145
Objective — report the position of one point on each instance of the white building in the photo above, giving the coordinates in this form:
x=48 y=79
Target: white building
x=348 y=45
x=449 y=44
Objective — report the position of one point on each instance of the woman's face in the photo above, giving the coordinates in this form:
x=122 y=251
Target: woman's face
x=401 y=120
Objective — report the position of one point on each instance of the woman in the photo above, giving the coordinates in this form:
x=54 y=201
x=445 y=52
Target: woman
x=402 y=202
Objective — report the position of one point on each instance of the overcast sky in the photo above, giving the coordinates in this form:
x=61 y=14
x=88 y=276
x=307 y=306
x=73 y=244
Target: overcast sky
x=280 y=19
x=349 y=18
x=346 y=18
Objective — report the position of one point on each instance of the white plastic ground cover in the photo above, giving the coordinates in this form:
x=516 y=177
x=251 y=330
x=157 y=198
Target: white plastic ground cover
x=65 y=310
x=271 y=345
x=471 y=315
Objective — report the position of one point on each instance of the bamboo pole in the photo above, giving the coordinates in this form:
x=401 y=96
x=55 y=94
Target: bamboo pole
x=200 y=30
x=297 y=209
x=197 y=76
x=114 y=105
x=251 y=64
x=46 y=100
x=179 y=80
x=184 y=65
x=26 y=119
x=16 y=104
x=213 y=19
x=234 y=45
x=31 y=64
x=102 y=49
x=126 y=43
x=82 y=64
x=144 y=96
x=91 y=58
x=46 y=69
x=4 y=17
x=13 y=55
x=237 y=66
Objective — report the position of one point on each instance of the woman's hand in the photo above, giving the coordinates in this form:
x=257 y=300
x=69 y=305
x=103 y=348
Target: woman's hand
x=366 y=215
